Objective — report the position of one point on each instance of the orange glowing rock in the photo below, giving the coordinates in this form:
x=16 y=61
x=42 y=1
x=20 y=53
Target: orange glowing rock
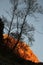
x=22 y=49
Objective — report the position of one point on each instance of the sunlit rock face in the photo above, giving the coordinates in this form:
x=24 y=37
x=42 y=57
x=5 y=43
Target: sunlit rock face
x=22 y=49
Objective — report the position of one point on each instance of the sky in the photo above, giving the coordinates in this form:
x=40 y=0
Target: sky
x=37 y=47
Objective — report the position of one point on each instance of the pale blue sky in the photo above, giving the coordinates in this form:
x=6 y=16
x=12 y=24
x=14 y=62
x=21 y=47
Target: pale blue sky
x=38 y=44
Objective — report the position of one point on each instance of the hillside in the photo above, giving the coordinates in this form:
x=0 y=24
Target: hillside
x=21 y=55
x=22 y=49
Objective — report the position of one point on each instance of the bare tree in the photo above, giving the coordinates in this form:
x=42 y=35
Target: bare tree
x=21 y=9
x=30 y=7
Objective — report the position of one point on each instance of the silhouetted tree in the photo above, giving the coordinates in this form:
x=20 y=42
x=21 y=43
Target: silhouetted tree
x=29 y=8
x=21 y=9
x=1 y=31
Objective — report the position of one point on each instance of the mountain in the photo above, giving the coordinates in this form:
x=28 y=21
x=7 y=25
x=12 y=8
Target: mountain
x=22 y=49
